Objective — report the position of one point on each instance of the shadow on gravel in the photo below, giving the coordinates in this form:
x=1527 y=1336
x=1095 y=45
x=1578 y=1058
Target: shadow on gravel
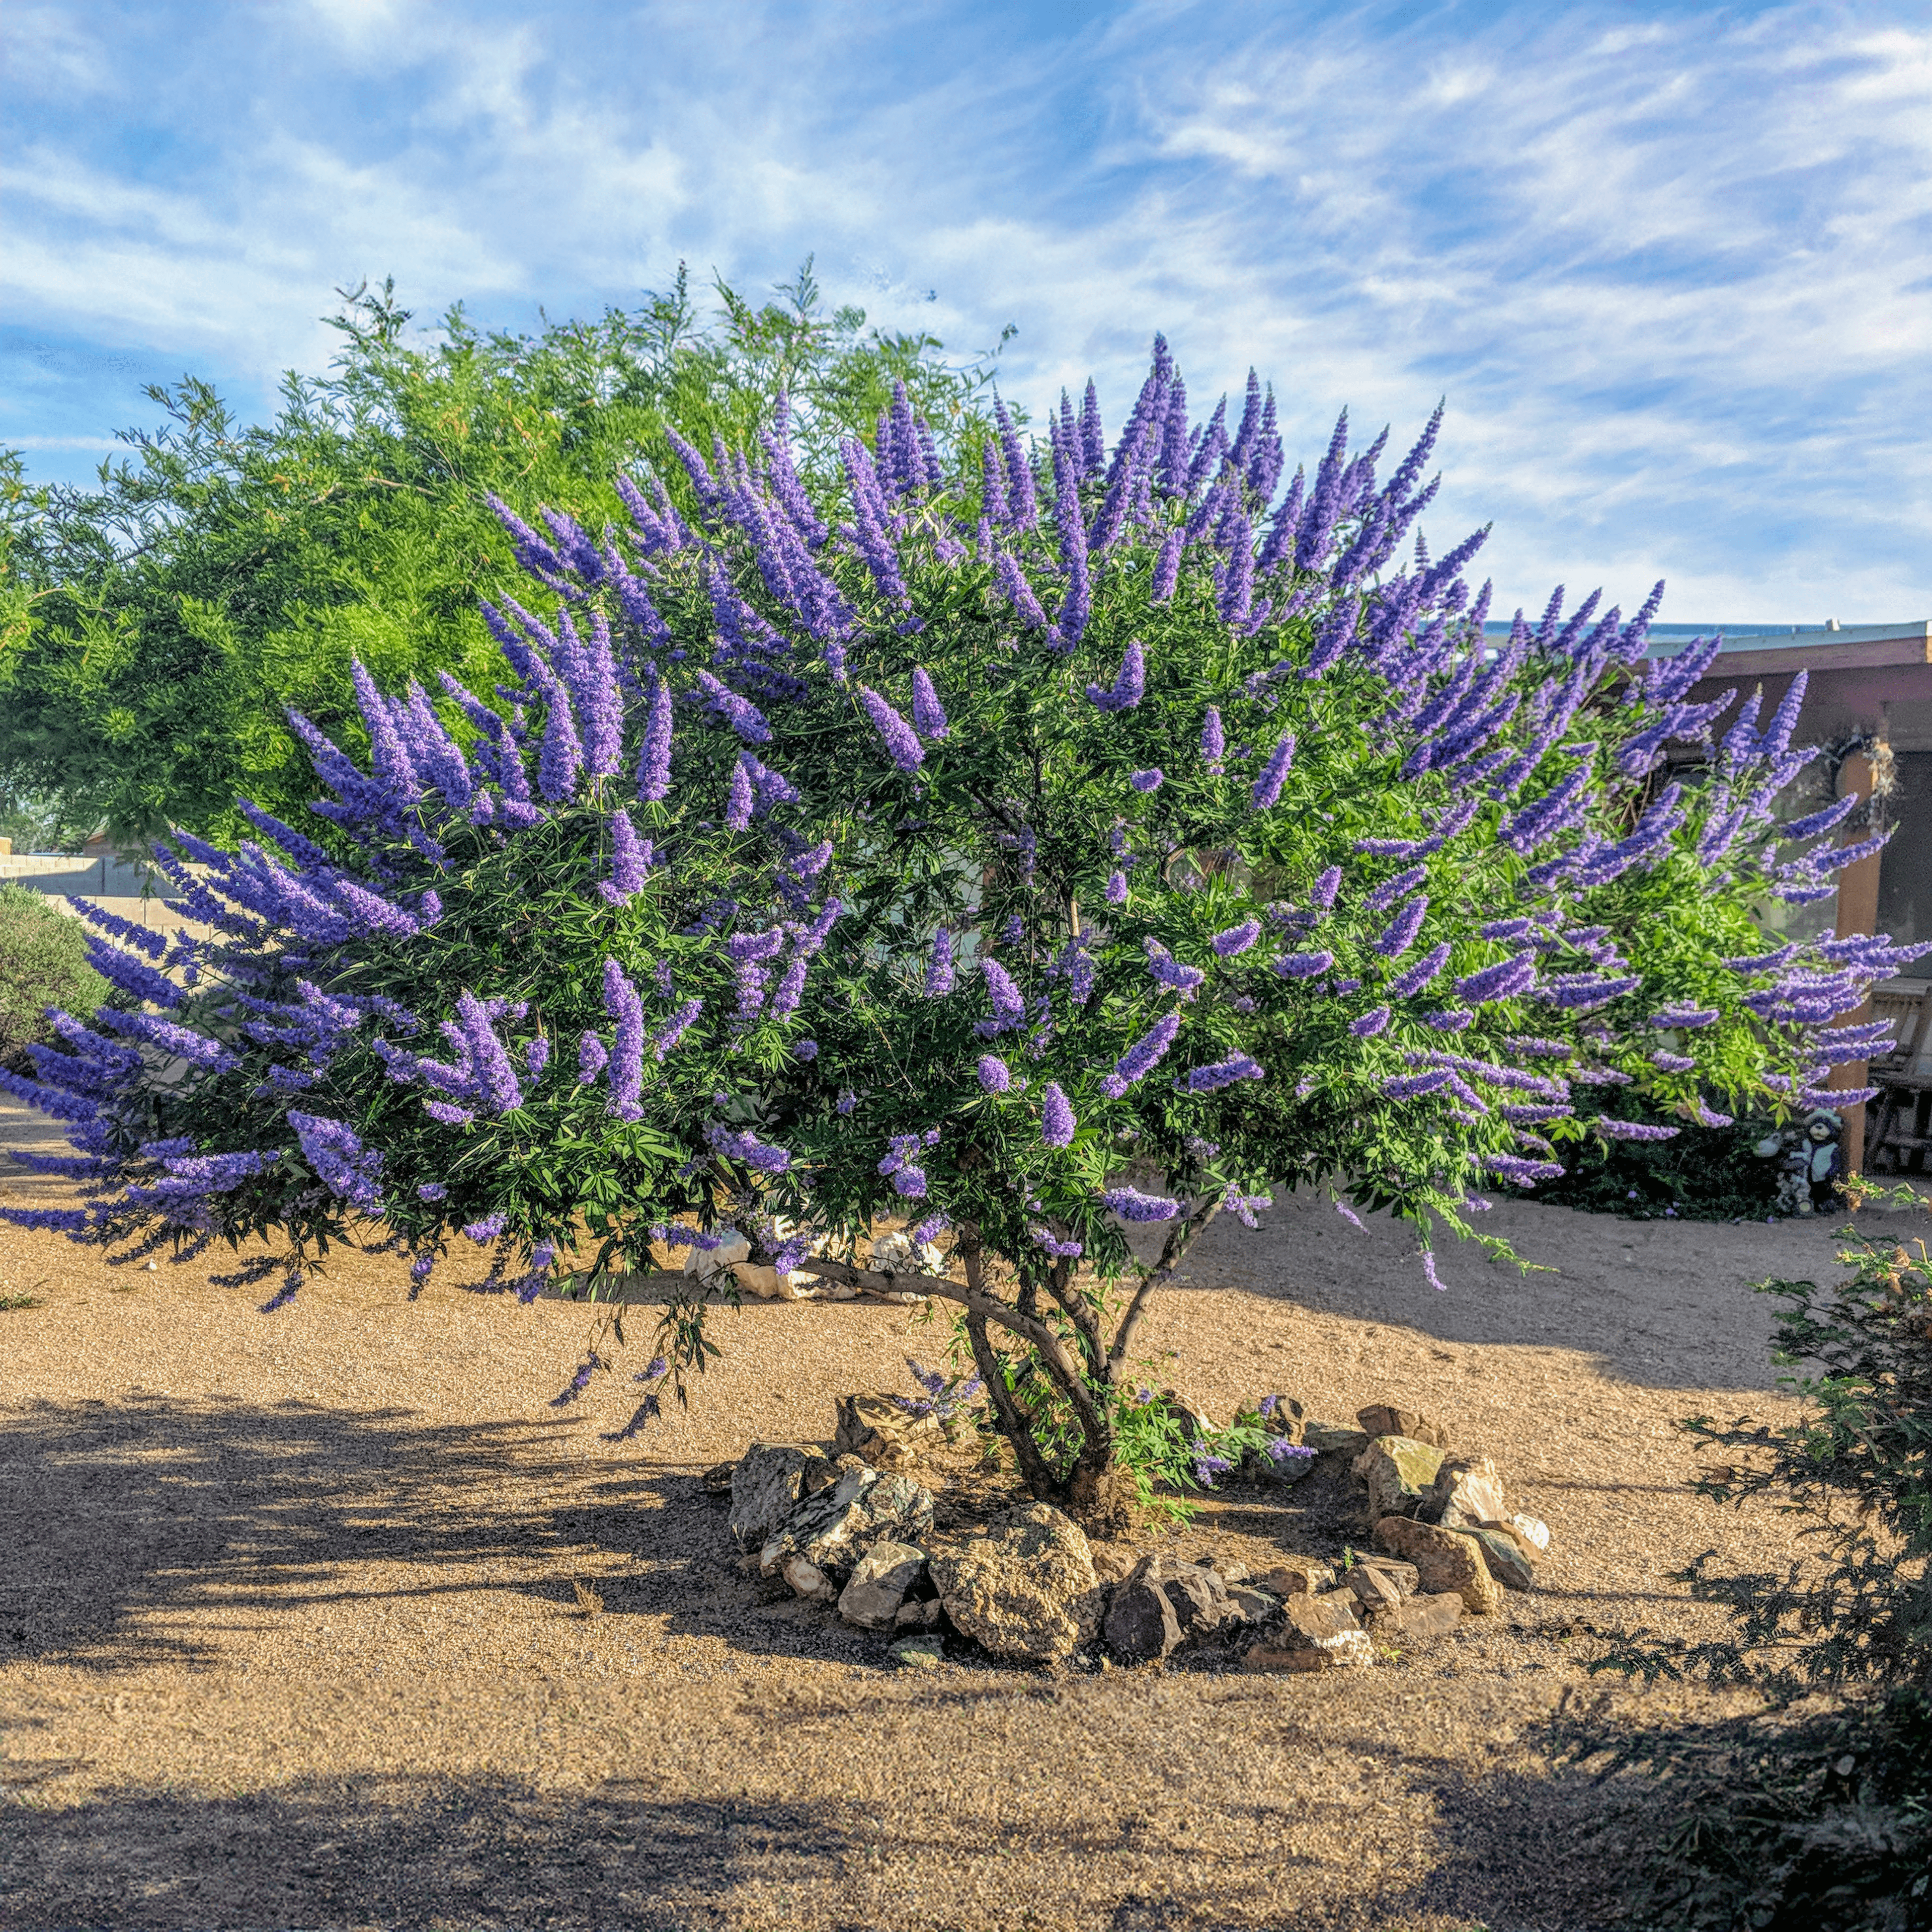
x=1512 y=1854
x=114 y=1511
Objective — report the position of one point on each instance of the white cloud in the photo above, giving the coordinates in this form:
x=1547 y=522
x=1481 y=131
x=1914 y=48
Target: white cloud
x=1671 y=272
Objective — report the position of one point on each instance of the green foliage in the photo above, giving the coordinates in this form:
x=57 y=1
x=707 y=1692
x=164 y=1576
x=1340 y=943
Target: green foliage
x=1704 y=1174
x=1790 y=1822
x=1218 y=907
x=1856 y=1469
x=42 y=964
x=1822 y=1815
x=155 y=629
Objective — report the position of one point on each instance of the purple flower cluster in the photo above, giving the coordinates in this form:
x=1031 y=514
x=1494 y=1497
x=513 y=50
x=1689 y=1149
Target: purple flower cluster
x=747 y=1148
x=1133 y=1205
x=901 y=740
x=350 y=1171
x=1143 y=1054
x=1057 y=1121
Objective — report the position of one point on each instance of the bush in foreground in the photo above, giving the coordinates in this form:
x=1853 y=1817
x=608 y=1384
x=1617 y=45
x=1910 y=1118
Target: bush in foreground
x=1819 y=1811
x=1092 y=840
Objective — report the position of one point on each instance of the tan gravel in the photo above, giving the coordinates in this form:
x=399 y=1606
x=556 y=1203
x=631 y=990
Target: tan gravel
x=289 y=1634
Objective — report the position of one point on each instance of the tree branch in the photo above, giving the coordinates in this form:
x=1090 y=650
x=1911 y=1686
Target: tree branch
x=1179 y=1237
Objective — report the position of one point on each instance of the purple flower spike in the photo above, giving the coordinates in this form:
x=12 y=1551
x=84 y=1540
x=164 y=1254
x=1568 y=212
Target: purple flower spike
x=939 y=972
x=738 y=806
x=901 y=740
x=1008 y=1009
x=1223 y=1073
x=1400 y=934
x=591 y=1058
x=1129 y=685
x=1370 y=1024
x=630 y=860
x=1148 y=780
x=928 y=715
x=1237 y=938
x=1274 y=774
x=654 y=759
x=1214 y=740
x=1057 y=1122
x=627 y=1049
x=1117 y=889
x=1302 y=965
x=994 y=1077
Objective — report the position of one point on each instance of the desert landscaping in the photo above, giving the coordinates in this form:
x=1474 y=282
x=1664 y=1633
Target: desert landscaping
x=337 y=1606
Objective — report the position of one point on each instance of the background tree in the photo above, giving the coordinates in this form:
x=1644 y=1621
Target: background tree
x=154 y=630
x=1073 y=842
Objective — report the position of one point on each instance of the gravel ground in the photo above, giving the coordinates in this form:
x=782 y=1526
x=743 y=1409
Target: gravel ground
x=289 y=1632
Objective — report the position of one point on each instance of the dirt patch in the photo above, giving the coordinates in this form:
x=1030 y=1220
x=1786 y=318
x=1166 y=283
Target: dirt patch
x=289 y=1630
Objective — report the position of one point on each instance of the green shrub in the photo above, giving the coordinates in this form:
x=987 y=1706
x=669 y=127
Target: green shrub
x=1820 y=1815
x=42 y=964
x=1702 y=1173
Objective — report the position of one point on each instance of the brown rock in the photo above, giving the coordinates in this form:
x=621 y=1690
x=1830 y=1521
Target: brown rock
x=1317 y=1633
x=1328 y=1439
x=1399 y=1470
x=1111 y=1564
x=1375 y=1586
x=1379 y=1419
x=1141 y=1625
x=875 y=1428
x=1416 y=1619
x=1296 y=1577
x=1402 y=1575
x=917 y=1616
x=1466 y=1491
x=1444 y=1559
x=1281 y=1415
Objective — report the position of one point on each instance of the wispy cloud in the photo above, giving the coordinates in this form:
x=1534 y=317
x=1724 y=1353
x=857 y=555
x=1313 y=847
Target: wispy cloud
x=1670 y=265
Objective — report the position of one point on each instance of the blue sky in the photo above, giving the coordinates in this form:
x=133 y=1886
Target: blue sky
x=1671 y=266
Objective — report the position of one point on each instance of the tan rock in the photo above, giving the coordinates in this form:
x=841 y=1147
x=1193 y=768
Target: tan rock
x=1025 y=1589
x=1466 y=1491
x=1379 y=1419
x=1416 y=1619
x=1111 y=1564
x=1316 y=1633
x=875 y=1428
x=1509 y=1563
x=1444 y=1559
x=807 y=1580
x=1375 y=1586
x=1533 y=1532
x=1399 y=1470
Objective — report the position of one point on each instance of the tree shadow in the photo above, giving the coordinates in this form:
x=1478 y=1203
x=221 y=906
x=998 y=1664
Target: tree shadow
x=117 y=1510
x=1516 y=1850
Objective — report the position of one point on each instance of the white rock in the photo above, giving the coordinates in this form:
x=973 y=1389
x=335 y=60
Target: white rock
x=899 y=1254
x=703 y=1263
x=1531 y=1530
x=808 y=1580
